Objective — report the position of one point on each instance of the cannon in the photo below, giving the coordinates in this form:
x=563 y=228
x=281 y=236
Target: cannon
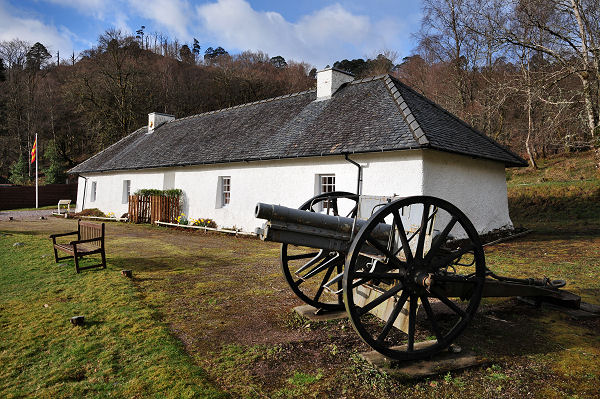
x=410 y=272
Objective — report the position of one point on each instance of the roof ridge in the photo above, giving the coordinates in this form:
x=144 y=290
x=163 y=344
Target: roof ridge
x=407 y=115
x=107 y=148
x=266 y=100
x=485 y=136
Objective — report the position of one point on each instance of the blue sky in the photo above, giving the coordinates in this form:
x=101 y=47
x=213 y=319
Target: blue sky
x=318 y=32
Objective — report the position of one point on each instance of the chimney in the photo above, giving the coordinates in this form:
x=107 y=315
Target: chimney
x=155 y=119
x=329 y=80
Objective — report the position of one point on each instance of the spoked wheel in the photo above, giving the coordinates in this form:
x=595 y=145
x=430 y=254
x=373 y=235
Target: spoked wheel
x=404 y=275
x=307 y=270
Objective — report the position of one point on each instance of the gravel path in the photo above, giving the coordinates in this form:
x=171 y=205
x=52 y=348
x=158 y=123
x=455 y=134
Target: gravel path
x=25 y=215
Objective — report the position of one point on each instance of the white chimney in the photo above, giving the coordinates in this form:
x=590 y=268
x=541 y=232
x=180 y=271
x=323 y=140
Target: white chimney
x=155 y=119
x=329 y=80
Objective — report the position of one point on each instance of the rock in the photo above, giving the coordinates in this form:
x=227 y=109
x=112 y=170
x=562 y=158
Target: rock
x=18 y=244
x=42 y=218
x=77 y=320
x=45 y=256
x=62 y=264
x=126 y=273
x=10 y=218
x=46 y=305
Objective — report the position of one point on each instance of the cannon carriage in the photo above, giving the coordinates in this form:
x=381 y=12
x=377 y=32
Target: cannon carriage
x=410 y=272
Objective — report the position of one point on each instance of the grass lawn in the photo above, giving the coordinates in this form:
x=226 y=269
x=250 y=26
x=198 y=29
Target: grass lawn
x=208 y=314
x=123 y=349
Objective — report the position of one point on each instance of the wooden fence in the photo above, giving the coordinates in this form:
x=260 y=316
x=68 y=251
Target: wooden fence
x=152 y=208
x=14 y=197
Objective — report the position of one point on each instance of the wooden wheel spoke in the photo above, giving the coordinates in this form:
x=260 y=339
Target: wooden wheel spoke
x=403 y=239
x=393 y=316
x=412 y=318
x=322 y=285
x=320 y=256
x=327 y=263
x=440 y=240
x=379 y=300
x=448 y=302
x=302 y=256
x=422 y=232
x=431 y=317
x=391 y=257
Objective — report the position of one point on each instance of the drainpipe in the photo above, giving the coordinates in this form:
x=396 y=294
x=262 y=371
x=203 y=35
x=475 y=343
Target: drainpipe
x=84 y=190
x=360 y=175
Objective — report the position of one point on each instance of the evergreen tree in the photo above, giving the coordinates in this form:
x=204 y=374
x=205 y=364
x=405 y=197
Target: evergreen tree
x=37 y=56
x=55 y=172
x=18 y=171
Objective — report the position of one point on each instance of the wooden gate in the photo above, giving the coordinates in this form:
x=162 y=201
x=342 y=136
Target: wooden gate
x=152 y=208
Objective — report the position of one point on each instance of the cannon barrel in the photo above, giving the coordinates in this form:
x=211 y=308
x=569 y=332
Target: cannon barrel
x=311 y=229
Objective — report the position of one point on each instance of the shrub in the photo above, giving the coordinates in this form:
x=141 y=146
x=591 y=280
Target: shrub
x=91 y=212
x=173 y=193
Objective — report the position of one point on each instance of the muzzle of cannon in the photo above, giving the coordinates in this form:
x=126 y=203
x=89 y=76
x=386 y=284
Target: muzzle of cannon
x=410 y=278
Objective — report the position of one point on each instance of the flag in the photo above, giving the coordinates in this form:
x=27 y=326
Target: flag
x=34 y=150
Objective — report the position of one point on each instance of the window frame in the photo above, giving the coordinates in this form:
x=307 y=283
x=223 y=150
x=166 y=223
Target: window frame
x=224 y=191
x=126 y=191
x=325 y=186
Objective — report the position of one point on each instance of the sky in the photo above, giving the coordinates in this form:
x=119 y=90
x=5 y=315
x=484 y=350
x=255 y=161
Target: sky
x=318 y=32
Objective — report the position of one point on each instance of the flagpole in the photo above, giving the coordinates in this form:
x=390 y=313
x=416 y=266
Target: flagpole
x=36 y=173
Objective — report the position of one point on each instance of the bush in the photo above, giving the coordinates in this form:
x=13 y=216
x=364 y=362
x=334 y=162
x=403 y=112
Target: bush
x=173 y=193
x=91 y=212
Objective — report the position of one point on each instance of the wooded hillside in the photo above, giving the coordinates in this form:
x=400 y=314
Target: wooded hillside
x=526 y=72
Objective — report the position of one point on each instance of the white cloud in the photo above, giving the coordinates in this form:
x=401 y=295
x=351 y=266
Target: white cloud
x=33 y=30
x=322 y=37
x=172 y=15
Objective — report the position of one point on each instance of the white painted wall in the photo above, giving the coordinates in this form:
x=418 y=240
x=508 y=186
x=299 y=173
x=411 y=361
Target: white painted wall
x=288 y=182
x=477 y=187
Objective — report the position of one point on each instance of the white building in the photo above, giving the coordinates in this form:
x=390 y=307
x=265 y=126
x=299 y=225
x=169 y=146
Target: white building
x=287 y=149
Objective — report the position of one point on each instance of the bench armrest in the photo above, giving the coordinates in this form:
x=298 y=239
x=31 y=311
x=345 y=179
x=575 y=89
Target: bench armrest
x=88 y=240
x=63 y=234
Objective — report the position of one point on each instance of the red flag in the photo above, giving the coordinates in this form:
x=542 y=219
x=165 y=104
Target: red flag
x=34 y=151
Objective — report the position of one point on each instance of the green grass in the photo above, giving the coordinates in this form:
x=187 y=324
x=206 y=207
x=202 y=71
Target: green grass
x=122 y=350
x=33 y=209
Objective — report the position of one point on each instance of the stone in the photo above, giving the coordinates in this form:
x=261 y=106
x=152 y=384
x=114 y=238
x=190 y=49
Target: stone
x=441 y=363
x=126 y=273
x=42 y=218
x=77 y=320
x=18 y=244
x=63 y=264
x=314 y=314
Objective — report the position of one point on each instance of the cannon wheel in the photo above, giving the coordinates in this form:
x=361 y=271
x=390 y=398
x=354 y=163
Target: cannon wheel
x=417 y=273
x=309 y=258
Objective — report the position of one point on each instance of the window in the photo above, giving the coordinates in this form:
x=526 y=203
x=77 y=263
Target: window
x=126 y=191
x=93 y=192
x=326 y=185
x=225 y=190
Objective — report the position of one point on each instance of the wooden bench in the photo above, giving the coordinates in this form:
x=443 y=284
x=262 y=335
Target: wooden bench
x=66 y=204
x=90 y=240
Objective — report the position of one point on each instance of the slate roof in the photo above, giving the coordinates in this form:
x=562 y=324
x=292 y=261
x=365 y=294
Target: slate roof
x=368 y=115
